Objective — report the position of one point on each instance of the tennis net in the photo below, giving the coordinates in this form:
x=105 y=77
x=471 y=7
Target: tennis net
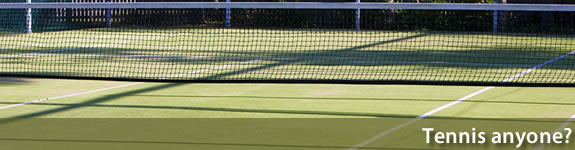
x=262 y=42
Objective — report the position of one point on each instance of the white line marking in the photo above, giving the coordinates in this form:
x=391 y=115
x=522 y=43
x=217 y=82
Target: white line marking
x=455 y=102
x=559 y=129
x=73 y=48
x=384 y=133
x=70 y=95
x=538 y=66
x=56 y=42
x=125 y=85
x=458 y=63
x=50 y=51
x=40 y=44
x=82 y=39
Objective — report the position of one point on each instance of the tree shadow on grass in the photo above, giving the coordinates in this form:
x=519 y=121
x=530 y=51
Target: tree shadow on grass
x=341 y=52
x=220 y=109
x=95 y=101
x=355 y=99
x=369 y=62
x=351 y=56
x=171 y=85
x=270 y=111
x=12 y=81
x=237 y=145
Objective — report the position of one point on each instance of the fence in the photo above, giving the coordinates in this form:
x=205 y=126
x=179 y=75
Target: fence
x=42 y=20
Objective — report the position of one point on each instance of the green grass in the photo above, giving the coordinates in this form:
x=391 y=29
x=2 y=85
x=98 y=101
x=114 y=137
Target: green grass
x=236 y=100
x=502 y=108
x=170 y=100
x=288 y=54
x=295 y=54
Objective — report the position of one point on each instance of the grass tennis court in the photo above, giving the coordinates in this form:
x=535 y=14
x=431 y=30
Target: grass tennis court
x=80 y=75
x=272 y=54
x=170 y=100
x=266 y=54
x=401 y=103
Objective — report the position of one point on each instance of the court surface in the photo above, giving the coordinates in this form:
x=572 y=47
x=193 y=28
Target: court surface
x=361 y=55
x=110 y=99
x=174 y=100
x=312 y=55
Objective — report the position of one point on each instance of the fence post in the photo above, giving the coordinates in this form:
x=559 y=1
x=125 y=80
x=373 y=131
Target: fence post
x=495 y=17
x=28 y=18
x=108 y=15
x=357 y=16
x=228 y=15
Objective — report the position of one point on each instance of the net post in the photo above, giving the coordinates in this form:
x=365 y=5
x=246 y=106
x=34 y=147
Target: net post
x=228 y=15
x=28 y=18
x=358 y=16
x=495 y=17
x=108 y=15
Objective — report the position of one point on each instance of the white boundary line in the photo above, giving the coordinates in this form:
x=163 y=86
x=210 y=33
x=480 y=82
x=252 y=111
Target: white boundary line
x=73 y=48
x=70 y=95
x=48 y=51
x=40 y=44
x=559 y=129
x=455 y=102
x=386 y=132
x=126 y=85
x=98 y=90
x=56 y=42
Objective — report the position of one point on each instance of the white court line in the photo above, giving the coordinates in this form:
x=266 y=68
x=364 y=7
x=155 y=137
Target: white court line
x=50 y=51
x=455 y=102
x=40 y=44
x=55 y=42
x=73 y=48
x=70 y=95
x=559 y=129
x=384 y=133
x=126 y=85
x=65 y=49
x=72 y=40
